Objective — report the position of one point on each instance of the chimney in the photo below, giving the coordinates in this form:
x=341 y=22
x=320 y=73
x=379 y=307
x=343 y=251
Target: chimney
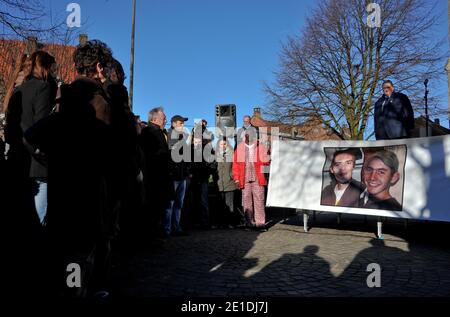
x=437 y=121
x=257 y=112
x=31 y=45
x=83 y=39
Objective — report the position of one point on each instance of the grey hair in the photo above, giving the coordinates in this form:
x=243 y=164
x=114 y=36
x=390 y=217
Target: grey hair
x=154 y=112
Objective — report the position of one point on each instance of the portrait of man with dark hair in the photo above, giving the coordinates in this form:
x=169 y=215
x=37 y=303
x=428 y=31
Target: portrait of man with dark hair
x=344 y=190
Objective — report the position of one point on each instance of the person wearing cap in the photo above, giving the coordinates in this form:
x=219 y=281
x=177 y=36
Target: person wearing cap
x=344 y=191
x=394 y=115
x=379 y=174
x=179 y=172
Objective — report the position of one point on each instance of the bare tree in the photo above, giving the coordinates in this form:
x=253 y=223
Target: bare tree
x=334 y=69
x=30 y=18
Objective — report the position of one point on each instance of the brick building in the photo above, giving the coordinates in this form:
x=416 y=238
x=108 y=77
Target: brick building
x=434 y=128
x=312 y=129
x=12 y=52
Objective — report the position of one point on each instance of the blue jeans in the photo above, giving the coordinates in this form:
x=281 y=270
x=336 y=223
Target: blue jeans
x=173 y=212
x=40 y=199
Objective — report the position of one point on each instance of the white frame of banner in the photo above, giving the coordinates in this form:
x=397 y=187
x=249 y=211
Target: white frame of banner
x=420 y=148
x=306 y=216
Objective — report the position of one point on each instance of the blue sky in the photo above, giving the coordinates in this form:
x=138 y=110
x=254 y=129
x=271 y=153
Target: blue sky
x=194 y=54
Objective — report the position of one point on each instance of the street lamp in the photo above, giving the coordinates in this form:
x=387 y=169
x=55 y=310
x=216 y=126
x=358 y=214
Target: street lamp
x=426 y=104
x=447 y=69
x=132 y=55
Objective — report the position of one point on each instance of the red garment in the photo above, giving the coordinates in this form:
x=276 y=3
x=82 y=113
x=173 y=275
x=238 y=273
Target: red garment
x=262 y=159
x=253 y=203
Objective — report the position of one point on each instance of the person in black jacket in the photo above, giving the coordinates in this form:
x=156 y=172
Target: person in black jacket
x=128 y=188
x=202 y=167
x=179 y=172
x=159 y=189
x=394 y=116
x=31 y=102
x=78 y=145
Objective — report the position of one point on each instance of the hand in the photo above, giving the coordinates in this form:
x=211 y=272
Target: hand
x=140 y=177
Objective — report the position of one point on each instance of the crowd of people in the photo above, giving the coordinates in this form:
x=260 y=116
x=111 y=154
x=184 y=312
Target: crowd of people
x=83 y=177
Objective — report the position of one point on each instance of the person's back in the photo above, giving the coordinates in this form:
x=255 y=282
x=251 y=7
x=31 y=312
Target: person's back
x=77 y=146
x=124 y=133
x=37 y=99
x=19 y=159
x=30 y=102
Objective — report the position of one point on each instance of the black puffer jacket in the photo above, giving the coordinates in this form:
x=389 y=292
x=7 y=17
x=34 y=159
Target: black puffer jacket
x=203 y=163
x=179 y=164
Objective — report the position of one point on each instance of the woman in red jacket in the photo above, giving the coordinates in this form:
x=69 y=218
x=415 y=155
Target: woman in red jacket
x=249 y=161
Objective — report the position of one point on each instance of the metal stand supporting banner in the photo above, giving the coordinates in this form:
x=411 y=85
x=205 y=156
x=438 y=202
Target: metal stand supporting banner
x=407 y=179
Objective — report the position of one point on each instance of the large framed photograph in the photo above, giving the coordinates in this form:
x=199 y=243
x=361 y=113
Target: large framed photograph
x=364 y=177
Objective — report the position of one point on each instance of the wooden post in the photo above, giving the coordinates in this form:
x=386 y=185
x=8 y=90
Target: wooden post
x=447 y=68
x=133 y=27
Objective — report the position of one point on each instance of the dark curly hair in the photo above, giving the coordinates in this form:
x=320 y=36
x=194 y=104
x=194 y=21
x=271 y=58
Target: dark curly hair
x=87 y=55
x=115 y=72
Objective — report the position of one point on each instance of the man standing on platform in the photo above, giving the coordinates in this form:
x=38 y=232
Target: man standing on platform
x=394 y=116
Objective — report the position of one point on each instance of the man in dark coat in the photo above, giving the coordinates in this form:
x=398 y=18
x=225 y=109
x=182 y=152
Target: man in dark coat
x=394 y=116
x=128 y=188
x=159 y=189
x=179 y=165
x=343 y=191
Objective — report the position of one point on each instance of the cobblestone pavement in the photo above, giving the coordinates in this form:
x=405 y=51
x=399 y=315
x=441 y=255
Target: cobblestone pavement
x=285 y=261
